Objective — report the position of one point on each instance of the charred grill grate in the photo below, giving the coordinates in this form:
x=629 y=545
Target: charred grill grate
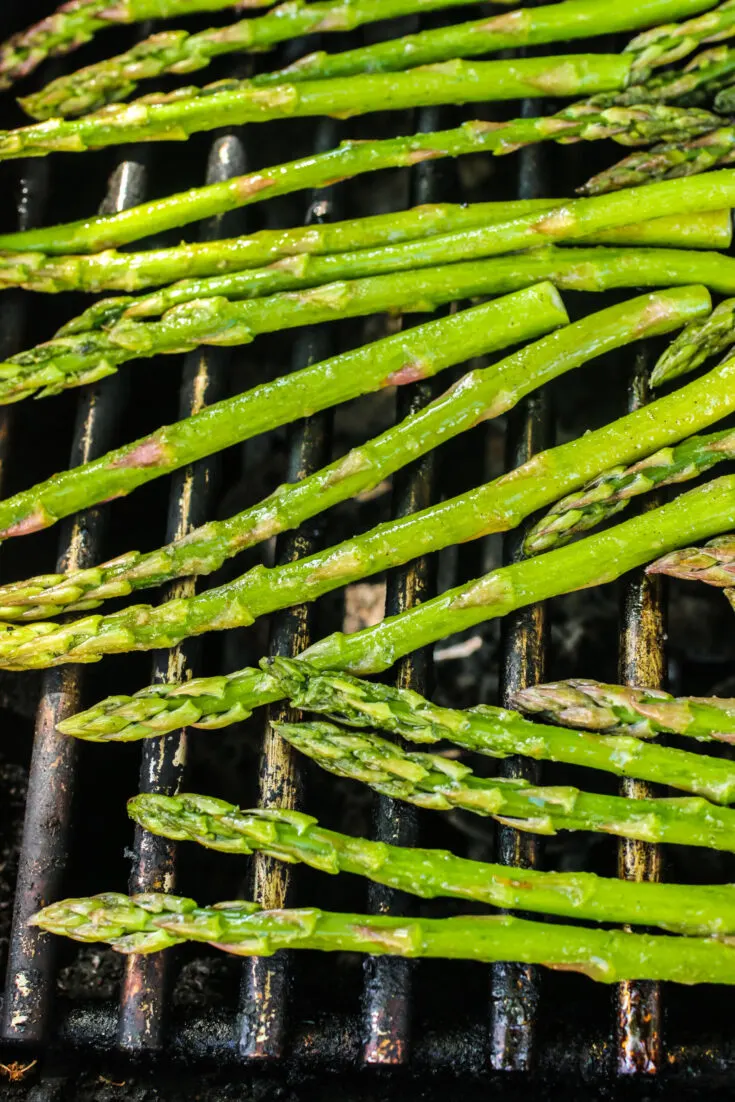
x=81 y=1013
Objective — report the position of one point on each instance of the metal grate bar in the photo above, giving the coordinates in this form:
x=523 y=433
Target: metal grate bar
x=641 y=662
x=266 y=981
x=163 y=761
x=514 y=987
x=387 y=991
x=45 y=846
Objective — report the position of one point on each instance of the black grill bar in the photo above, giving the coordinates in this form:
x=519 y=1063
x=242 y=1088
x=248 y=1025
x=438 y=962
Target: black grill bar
x=641 y=662
x=45 y=846
x=387 y=1004
x=144 y=995
x=514 y=987
x=266 y=980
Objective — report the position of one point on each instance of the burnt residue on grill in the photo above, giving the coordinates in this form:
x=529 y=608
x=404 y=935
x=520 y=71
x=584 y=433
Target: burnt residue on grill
x=80 y=1022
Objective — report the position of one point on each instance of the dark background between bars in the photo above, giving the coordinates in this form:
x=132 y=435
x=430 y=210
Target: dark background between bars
x=88 y=1024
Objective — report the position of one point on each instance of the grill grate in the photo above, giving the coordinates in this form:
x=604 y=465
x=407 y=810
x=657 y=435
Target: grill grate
x=295 y=1020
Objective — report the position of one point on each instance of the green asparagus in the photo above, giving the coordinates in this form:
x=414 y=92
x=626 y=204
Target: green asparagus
x=148 y=923
x=643 y=713
x=669 y=161
x=497 y=732
x=115 y=271
x=395 y=360
x=77 y=21
x=261 y=591
x=79 y=356
x=178 y=52
x=664 y=45
x=534 y=229
x=613 y=490
x=697 y=343
x=438 y=783
x=216 y=702
x=713 y=564
x=292 y=836
x=347 y=160
x=180 y=114
x=501 y=504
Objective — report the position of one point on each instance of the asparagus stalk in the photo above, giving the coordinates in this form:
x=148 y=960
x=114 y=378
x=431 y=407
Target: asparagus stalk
x=713 y=564
x=643 y=713
x=115 y=271
x=498 y=732
x=437 y=783
x=696 y=343
x=394 y=360
x=501 y=504
x=261 y=591
x=180 y=114
x=82 y=354
x=669 y=161
x=613 y=490
x=178 y=52
x=216 y=702
x=347 y=160
x=294 y=837
x=148 y=923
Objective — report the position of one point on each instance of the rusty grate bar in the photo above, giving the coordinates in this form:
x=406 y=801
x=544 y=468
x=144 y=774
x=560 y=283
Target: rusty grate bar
x=641 y=662
x=514 y=987
x=387 y=1006
x=163 y=761
x=266 y=980
x=45 y=846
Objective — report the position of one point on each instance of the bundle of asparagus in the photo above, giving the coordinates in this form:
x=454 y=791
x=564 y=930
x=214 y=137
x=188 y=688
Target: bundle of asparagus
x=496 y=731
x=209 y=311
x=630 y=125
x=149 y=923
x=120 y=271
x=292 y=836
x=262 y=591
x=219 y=701
x=501 y=504
x=178 y=52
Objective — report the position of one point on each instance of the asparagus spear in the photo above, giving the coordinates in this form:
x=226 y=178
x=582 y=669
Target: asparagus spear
x=669 y=161
x=79 y=356
x=502 y=504
x=178 y=52
x=696 y=343
x=216 y=702
x=262 y=591
x=115 y=271
x=291 y=836
x=612 y=491
x=664 y=45
x=347 y=160
x=148 y=923
x=713 y=564
x=437 y=783
x=644 y=713
x=497 y=732
x=394 y=360
x=231 y=103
